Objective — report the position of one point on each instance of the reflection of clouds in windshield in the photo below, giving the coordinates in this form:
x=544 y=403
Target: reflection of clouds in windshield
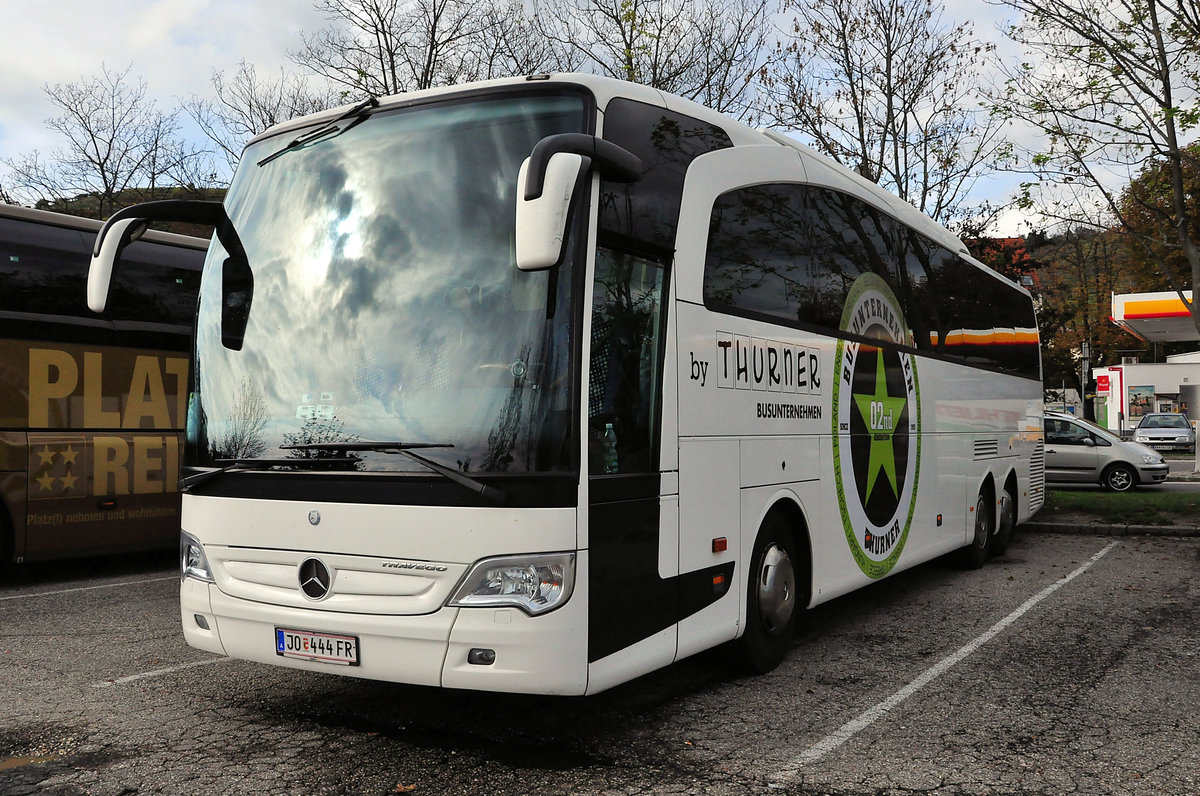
x=384 y=290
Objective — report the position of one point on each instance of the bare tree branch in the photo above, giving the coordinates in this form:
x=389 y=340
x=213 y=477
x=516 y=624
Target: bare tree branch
x=890 y=89
x=118 y=146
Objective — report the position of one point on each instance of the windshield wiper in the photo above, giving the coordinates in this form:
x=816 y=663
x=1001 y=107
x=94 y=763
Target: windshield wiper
x=358 y=114
x=491 y=493
x=228 y=465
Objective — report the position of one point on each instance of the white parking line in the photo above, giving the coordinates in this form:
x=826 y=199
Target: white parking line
x=86 y=588
x=157 y=672
x=851 y=728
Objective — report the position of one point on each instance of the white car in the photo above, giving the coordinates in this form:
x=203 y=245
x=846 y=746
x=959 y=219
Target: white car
x=1080 y=452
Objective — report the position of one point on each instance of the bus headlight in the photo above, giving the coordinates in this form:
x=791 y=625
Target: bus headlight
x=535 y=584
x=192 y=561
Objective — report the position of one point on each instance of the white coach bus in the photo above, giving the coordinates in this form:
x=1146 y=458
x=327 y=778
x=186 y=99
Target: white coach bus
x=539 y=385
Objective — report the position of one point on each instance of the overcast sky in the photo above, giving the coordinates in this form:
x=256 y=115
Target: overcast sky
x=174 y=46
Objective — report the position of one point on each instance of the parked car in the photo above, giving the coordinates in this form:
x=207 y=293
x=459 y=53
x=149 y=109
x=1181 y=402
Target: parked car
x=1081 y=452
x=1166 y=431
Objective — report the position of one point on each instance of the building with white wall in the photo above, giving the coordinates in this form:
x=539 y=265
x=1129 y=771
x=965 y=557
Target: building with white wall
x=1127 y=391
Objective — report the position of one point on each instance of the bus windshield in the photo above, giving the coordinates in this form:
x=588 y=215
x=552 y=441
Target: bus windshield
x=386 y=304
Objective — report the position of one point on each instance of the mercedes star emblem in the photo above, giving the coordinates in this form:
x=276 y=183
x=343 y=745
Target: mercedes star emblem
x=315 y=579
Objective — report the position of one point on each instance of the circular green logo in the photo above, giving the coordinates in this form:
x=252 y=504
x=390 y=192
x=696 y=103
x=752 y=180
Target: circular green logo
x=876 y=427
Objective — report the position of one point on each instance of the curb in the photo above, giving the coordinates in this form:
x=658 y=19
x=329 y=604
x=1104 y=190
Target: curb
x=1101 y=529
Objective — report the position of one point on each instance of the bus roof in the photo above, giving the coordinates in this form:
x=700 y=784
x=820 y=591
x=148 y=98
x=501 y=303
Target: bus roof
x=92 y=226
x=606 y=89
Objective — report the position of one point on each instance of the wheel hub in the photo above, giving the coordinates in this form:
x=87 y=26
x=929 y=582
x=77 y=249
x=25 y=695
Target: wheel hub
x=776 y=590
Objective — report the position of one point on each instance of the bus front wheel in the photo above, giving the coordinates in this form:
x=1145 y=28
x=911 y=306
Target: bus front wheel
x=772 y=598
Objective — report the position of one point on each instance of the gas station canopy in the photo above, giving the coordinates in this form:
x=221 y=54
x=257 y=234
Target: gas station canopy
x=1154 y=317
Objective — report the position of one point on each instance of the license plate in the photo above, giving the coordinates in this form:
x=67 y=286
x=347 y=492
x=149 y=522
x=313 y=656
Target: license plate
x=320 y=647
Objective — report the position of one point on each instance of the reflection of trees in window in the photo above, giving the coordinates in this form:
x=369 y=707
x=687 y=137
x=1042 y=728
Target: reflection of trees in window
x=318 y=430
x=789 y=251
x=502 y=439
x=792 y=252
x=624 y=380
x=667 y=143
x=243 y=435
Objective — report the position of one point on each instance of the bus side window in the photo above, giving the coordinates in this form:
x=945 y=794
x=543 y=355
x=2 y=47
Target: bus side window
x=625 y=368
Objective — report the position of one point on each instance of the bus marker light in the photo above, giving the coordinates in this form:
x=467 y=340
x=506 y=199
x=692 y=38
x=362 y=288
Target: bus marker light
x=719 y=585
x=720 y=545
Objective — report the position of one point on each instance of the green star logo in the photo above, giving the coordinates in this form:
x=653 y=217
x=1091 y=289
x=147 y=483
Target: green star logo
x=876 y=426
x=880 y=413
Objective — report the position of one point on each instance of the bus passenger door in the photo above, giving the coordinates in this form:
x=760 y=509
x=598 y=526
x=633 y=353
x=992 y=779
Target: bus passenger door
x=631 y=521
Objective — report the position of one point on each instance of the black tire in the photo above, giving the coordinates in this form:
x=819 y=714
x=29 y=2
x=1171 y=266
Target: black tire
x=976 y=553
x=1006 y=522
x=1119 y=478
x=772 y=599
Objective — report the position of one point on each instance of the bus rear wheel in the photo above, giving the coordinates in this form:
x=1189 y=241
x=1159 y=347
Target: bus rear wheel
x=1006 y=522
x=975 y=554
x=772 y=598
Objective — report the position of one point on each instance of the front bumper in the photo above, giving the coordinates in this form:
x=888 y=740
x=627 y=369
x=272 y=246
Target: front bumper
x=544 y=654
x=1154 y=473
x=1164 y=445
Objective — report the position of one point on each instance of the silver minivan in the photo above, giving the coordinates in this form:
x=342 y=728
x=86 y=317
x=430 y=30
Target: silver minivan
x=1081 y=452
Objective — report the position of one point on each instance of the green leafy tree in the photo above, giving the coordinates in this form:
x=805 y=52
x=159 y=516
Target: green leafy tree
x=1078 y=270
x=1113 y=86
x=1147 y=208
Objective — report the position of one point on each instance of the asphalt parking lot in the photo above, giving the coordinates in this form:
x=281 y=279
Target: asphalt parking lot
x=1067 y=666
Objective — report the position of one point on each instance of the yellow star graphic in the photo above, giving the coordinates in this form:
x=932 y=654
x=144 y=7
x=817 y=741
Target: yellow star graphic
x=69 y=455
x=69 y=480
x=47 y=482
x=46 y=455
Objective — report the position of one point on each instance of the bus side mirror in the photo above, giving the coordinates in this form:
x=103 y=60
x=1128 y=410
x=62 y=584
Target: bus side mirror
x=105 y=257
x=547 y=185
x=130 y=223
x=541 y=232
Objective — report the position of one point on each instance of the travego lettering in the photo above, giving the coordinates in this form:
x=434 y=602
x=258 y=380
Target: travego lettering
x=62 y=382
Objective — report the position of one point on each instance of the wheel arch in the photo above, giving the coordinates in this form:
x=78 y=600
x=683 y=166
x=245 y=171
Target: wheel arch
x=1011 y=483
x=789 y=507
x=987 y=488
